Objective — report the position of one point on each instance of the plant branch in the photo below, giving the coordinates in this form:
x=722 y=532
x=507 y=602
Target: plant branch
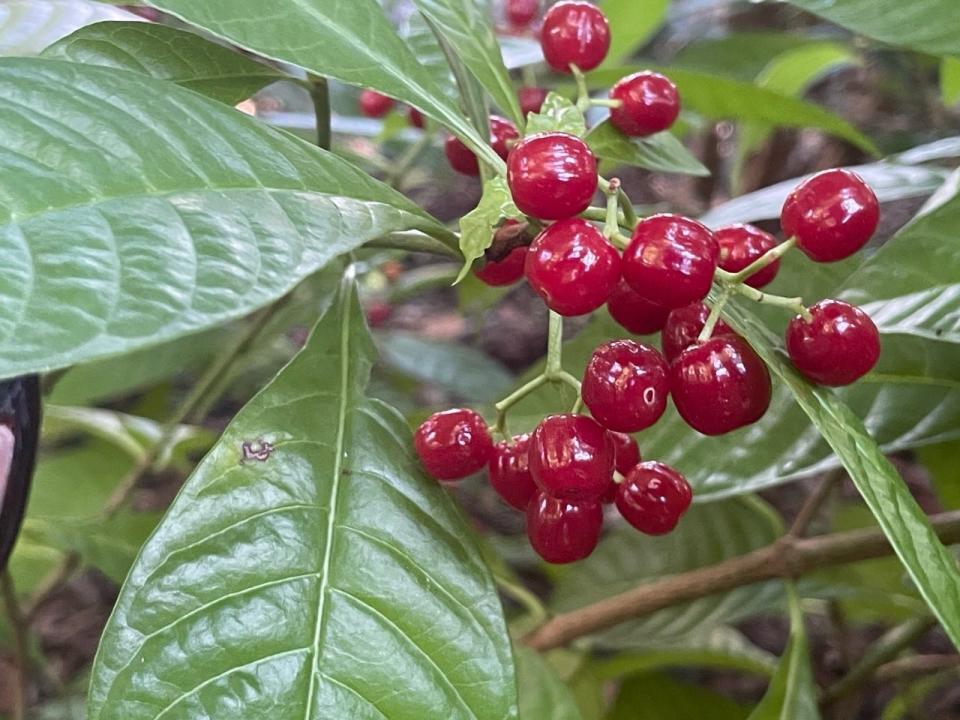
x=788 y=557
x=320 y=93
x=916 y=665
x=21 y=656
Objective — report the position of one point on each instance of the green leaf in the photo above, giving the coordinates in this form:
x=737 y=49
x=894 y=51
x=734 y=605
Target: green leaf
x=542 y=693
x=327 y=578
x=350 y=40
x=950 y=80
x=634 y=22
x=721 y=648
x=792 y=693
x=467 y=26
x=467 y=373
x=655 y=696
x=28 y=26
x=705 y=536
x=478 y=225
x=928 y=562
x=558 y=114
x=166 y=53
x=929 y=26
x=940 y=462
x=662 y=152
x=741 y=55
x=168 y=215
x=718 y=97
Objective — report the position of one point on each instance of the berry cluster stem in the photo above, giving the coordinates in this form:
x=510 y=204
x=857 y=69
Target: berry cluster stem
x=583 y=95
x=768 y=258
x=714 y=317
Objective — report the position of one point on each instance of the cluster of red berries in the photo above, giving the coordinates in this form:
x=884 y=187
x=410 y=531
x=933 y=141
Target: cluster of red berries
x=377 y=105
x=560 y=475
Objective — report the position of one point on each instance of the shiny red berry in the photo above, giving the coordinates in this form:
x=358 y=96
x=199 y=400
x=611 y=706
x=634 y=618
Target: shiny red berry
x=531 y=99
x=462 y=159
x=572 y=267
x=720 y=385
x=627 y=451
x=683 y=327
x=649 y=103
x=671 y=260
x=552 y=176
x=415 y=118
x=634 y=313
x=839 y=345
x=740 y=245
x=374 y=104
x=574 y=33
x=626 y=385
x=572 y=457
x=563 y=531
x=509 y=472
x=832 y=214
x=521 y=13
x=453 y=444
x=653 y=497
x=506 y=271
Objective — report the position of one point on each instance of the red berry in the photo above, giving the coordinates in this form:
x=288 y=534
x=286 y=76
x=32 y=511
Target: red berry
x=453 y=444
x=462 y=159
x=650 y=103
x=509 y=472
x=506 y=271
x=377 y=313
x=626 y=385
x=839 y=345
x=415 y=118
x=633 y=313
x=740 y=245
x=521 y=13
x=574 y=33
x=832 y=214
x=562 y=531
x=683 y=327
x=627 y=452
x=374 y=104
x=552 y=176
x=572 y=457
x=572 y=267
x=671 y=260
x=653 y=497
x=720 y=385
x=531 y=99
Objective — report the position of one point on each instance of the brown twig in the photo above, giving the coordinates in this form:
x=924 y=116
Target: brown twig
x=811 y=507
x=21 y=658
x=916 y=665
x=788 y=557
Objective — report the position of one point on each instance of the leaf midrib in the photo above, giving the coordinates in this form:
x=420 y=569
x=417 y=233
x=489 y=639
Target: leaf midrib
x=324 y=585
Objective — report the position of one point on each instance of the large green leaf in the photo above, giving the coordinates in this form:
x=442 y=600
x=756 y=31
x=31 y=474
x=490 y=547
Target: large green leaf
x=662 y=152
x=930 y=26
x=309 y=569
x=28 y=26
x=633 y=22
x=656 y=696
x=706 y=535
x=135 y=212
x=719 y=97
x=467 y=26
x=932 y=567
x=542 y=693
x=350 y=40
x=166 y=53
x=792 y=693
x=742 y=55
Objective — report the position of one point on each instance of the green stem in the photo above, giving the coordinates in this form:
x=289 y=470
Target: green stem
x=412 y=241
x=605 y=102
x=629 y=214
x=554 y=345
x=714 y=317
x=611 y=226
x=768 y=258
x=407 y=160
x=598 y=214
x=512 y=399
x=530 y=602
x=795 y=304
x=320 y=92
x=583 y=95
